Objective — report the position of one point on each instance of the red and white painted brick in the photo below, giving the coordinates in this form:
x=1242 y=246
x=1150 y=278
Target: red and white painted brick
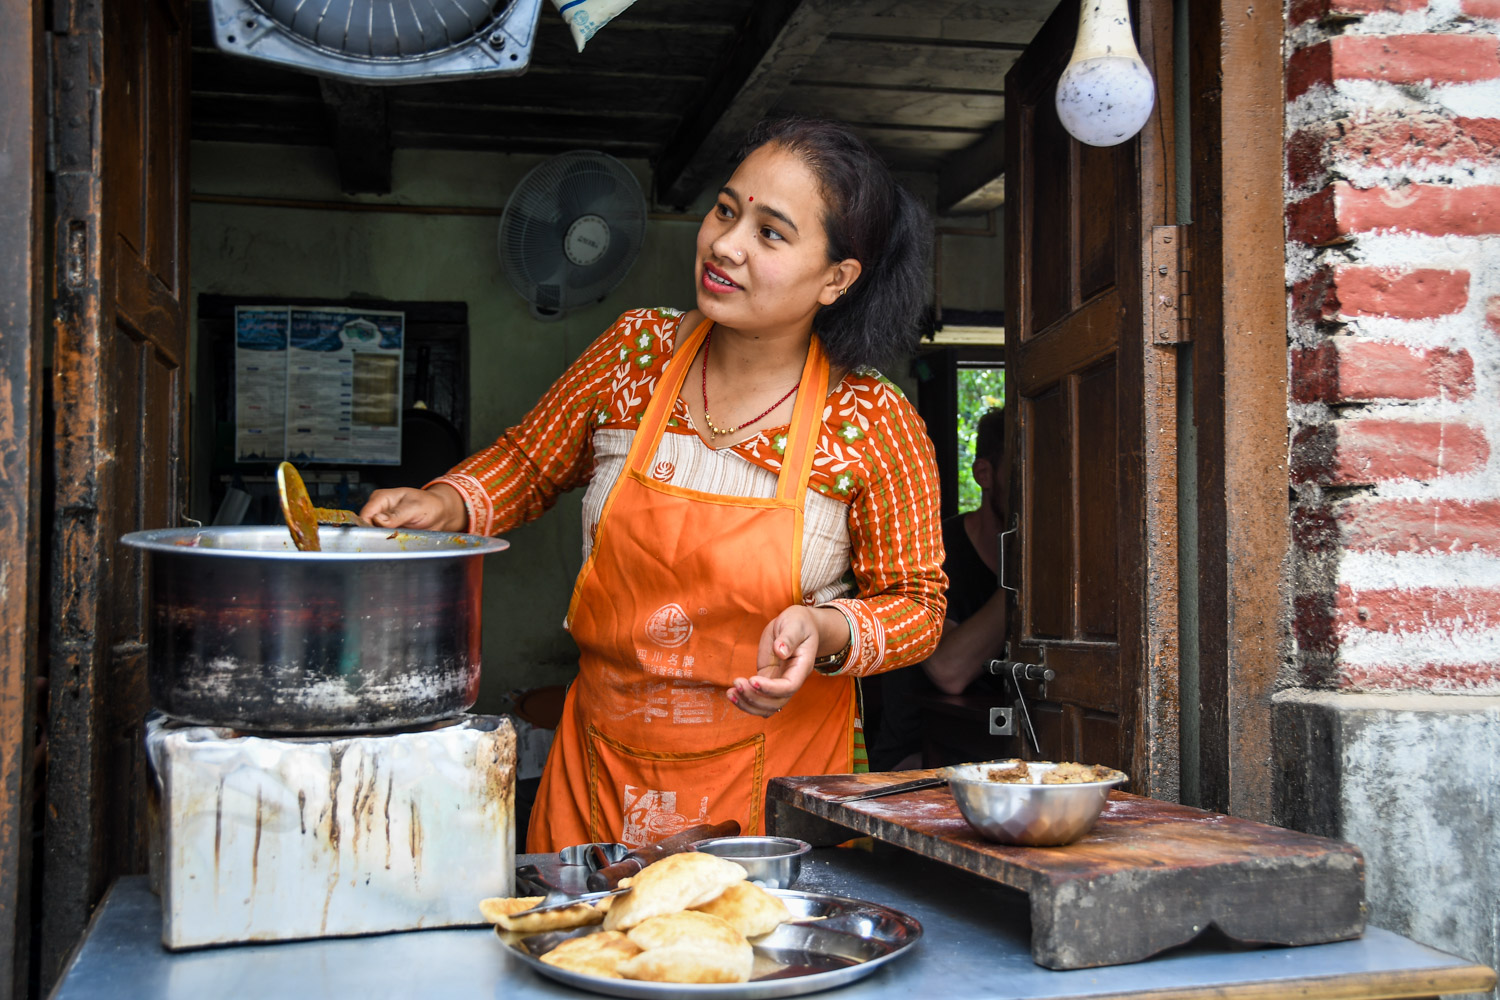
x=1393 y=271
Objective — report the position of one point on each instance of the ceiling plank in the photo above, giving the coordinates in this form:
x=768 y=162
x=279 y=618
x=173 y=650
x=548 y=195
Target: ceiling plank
x=693 y=50
x=359 y=119
x=970 y=169
x=266 y=134
x=685 y=12
x=578 y=131
x=258 y=112
x=992 y=27
x=940 y=141
x=901 y=64
x=775 y=43
x=895 y=107
x=511 y=143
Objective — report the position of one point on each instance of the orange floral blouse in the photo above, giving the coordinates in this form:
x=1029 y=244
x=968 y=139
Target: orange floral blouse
x=874 y=456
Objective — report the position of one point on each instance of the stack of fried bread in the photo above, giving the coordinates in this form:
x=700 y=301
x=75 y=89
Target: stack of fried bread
x=686 y=919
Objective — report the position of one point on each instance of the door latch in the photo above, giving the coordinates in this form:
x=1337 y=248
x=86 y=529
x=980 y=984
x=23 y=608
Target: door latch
x=1002 y=720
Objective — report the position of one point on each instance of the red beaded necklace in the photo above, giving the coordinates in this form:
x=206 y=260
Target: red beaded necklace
x=719 y=432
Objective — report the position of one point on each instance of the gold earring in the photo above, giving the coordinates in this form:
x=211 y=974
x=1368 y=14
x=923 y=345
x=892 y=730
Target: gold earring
x=843 y=290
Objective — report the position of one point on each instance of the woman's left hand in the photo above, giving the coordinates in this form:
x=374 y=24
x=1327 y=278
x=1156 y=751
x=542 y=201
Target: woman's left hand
x=788 y=646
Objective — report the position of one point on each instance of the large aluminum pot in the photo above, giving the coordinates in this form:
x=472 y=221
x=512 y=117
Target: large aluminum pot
x=380 y=629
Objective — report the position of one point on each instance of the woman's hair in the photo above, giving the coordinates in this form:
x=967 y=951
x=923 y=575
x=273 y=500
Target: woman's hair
x=873 y=220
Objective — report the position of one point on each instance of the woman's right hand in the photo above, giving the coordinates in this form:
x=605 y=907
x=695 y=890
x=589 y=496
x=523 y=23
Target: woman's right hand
x=437 y=508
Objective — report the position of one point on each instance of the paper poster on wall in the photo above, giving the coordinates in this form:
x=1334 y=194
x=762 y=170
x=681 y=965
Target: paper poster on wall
x=260 y=338
x=340 y=385
x=343 y=386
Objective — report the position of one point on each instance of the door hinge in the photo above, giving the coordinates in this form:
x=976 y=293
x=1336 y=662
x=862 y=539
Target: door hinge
x=1170 y=307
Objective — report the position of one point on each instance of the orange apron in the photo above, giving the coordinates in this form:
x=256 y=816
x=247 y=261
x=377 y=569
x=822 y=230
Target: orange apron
x=667 y=611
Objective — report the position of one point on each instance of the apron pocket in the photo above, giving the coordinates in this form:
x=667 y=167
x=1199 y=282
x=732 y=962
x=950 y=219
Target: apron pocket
x=651 y=794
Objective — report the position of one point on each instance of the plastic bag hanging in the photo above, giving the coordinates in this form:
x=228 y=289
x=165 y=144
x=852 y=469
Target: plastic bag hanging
x=586 y=17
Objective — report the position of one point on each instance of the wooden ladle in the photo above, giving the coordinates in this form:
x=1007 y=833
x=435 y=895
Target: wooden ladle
x=302 y=518
x=297 y=508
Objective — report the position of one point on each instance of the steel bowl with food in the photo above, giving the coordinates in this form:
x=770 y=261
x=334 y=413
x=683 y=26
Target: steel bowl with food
x=1013 y=802
x=772 y=862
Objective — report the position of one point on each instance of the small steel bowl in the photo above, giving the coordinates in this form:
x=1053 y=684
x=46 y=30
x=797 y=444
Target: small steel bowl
x=1030 y=815
x=772 y=862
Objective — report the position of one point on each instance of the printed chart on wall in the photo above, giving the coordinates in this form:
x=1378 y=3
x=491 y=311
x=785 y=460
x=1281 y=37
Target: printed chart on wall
x=318 y=385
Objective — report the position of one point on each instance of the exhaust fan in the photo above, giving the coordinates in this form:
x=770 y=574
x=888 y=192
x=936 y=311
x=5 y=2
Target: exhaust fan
x=382 y=41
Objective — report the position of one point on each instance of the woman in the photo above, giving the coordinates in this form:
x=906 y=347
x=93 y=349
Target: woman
x=730 y=494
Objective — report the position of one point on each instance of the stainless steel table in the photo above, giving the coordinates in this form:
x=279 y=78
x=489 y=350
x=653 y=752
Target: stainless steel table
x=976 y=943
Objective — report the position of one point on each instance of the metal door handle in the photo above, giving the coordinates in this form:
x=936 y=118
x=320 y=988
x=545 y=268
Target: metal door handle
x=1003 y=584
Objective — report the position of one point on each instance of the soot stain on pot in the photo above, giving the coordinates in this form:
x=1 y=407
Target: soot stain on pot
x=500 y=784
x=390 y=785
x=302 y=811
x=255 y=851
x=336 y=753
x=218 y=830
x=356 y=801
x=414 y=834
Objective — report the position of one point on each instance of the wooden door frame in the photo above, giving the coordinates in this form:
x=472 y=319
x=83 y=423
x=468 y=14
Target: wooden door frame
x=22 y=135
x=1238 y=289
x=1148 y=495
x=104 y=286
x=1237 y=327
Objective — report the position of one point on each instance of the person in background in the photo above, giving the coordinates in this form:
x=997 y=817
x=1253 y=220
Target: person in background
x=974 y=630
x=760 y=521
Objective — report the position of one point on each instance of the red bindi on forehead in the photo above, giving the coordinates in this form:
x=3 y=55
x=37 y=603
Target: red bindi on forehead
x=751 y=198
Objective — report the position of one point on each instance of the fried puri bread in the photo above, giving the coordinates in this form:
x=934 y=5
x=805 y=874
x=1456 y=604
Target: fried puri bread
x=687 y=928
x=676 y=882
x=594 y=954
x=747 y=908
x=691 y=964
x=502 y=910
x=603 y=905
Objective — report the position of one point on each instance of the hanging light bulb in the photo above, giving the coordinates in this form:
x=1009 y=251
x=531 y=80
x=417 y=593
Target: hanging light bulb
x=1106 y=93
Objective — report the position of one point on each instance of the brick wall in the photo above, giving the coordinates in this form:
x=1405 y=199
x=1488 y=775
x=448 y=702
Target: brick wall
x=1393 y=268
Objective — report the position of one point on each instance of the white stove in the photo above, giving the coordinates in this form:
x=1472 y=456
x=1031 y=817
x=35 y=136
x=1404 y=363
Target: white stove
x=270 y=837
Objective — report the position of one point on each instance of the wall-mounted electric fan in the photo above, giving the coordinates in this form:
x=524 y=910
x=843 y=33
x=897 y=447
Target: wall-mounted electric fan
x=571 y=230
x=382 y=41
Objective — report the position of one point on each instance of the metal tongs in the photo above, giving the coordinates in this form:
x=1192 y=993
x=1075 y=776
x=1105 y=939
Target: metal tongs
x=605 y=881
x=558 y=898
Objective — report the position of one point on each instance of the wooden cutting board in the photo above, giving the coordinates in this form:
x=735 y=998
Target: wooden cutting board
x=1150 y=875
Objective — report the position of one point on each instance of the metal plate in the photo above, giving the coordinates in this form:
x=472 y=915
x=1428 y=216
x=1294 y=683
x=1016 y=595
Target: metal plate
x=834 y=941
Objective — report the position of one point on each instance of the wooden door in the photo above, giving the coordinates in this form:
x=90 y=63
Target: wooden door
x=1091 y=423
x=121 y=394
x=23 y=138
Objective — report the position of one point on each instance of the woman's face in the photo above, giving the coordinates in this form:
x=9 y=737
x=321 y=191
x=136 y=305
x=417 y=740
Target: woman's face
x=762 y=252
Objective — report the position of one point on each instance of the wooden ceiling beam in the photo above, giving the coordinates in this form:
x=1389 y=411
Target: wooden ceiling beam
x=972 y=168
x=776 y=41
x=359 y=122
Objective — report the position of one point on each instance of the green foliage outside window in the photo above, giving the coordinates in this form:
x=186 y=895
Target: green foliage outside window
x=978 y=390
